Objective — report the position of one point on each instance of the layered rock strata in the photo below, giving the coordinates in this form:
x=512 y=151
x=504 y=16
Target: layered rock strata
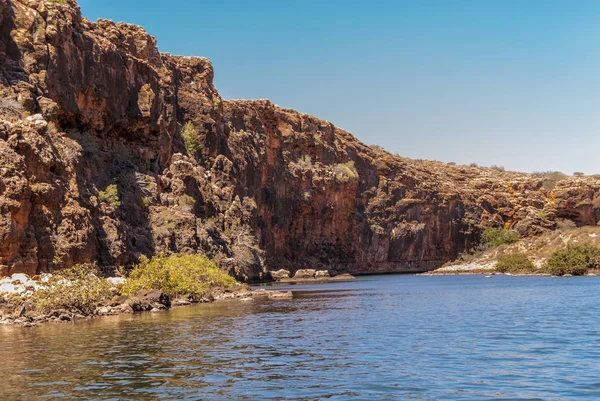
x=111 y=150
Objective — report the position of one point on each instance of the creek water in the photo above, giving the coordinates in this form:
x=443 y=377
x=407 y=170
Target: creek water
x=382 y=337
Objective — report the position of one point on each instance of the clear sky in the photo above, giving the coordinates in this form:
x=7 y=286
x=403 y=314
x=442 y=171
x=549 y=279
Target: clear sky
x=506 y=82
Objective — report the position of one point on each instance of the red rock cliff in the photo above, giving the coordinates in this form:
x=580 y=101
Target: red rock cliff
x=111 y=150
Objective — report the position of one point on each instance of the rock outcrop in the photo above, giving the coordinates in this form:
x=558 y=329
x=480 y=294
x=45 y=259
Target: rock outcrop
x=111 y=150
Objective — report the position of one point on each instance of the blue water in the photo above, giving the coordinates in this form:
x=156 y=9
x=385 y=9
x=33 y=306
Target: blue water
x=377 y=338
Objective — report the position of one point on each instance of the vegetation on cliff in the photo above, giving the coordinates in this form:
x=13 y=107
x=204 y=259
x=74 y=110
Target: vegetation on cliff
x=498 y=236
x=190 y=138
x=110 y=196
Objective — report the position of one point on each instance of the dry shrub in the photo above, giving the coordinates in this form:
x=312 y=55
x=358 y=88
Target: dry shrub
x=78 y=289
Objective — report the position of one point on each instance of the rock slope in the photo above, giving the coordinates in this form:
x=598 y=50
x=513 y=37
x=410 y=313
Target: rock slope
x=111 y=150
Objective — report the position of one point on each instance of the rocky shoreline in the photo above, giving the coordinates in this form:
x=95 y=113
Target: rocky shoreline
x=22 y=314
x=16 y=290
x=481 y=272
x=306 y=276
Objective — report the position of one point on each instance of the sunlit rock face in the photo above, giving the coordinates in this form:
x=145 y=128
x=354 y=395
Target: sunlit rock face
x=111 y=150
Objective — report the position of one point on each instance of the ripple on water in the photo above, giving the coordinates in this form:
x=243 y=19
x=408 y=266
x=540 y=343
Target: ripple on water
x=388 y=337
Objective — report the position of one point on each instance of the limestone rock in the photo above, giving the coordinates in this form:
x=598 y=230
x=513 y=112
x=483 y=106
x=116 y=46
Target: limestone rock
x=322 y=274
x=271 y=294
x=280 y=274
x=93 y=108
x=305 y=274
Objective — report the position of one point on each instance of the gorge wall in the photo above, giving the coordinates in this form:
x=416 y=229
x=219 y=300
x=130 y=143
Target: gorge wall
x=111 y=150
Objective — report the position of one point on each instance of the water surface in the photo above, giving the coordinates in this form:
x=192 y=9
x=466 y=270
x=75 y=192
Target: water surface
x=386 y=337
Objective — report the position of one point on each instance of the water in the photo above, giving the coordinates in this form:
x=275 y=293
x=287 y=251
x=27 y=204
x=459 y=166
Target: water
x=386 y=337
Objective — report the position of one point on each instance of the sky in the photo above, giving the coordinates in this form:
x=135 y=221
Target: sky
x=493 y=82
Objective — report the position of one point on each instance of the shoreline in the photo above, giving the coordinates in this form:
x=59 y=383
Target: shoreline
x=156 y=301
x=145 y=301
x=495 y=273
x=16 y=308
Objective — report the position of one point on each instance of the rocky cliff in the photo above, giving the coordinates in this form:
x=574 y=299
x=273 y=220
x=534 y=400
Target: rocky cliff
x=111 y=150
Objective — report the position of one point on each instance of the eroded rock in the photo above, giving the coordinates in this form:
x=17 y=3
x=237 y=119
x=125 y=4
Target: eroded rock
x=305 y=274
x=280 y=274
x=89 y=105
x=322 y=274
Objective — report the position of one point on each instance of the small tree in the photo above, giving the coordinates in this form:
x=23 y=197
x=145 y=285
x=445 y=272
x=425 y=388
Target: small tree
x=190 y=138
x=110 y=196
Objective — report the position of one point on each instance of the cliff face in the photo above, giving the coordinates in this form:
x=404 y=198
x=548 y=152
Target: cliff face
x=111 y=150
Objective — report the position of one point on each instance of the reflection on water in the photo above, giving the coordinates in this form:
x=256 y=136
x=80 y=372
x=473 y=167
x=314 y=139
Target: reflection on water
x=387 y=337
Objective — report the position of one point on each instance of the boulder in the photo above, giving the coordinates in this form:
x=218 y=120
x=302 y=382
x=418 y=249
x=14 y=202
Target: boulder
x=103 y=311
x=146 y=300
x=344 y=276
x=279 y=295
x=181 y=302
x=7 y=288
x=280 y=274
x=303 y=274
x=271 y=295
x=116 y=281
x=19 y=278
x=322 y=274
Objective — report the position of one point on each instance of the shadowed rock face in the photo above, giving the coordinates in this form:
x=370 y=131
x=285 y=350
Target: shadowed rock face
x=87 y=108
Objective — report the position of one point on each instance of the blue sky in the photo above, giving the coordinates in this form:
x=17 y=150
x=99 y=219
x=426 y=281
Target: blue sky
x=506 y=82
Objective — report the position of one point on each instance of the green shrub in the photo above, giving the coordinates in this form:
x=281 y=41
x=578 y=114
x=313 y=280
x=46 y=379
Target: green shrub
x=78 y=289
x=574 y=259
x=176 y=274
x=58 y=1
x=110 y=196
x=514 y=263
x=190 y=137
x=498 y=236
